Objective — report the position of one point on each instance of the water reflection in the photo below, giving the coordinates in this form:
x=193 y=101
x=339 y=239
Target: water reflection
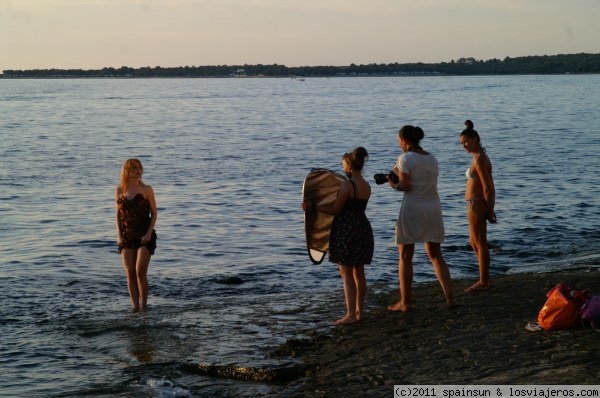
x=142 y=344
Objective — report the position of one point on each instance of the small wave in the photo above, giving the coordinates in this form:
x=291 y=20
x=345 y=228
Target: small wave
x=212 y=254
x=288 y=310
x=96 y=243
x=161 y=387
x=229 y=280
x=586 y=262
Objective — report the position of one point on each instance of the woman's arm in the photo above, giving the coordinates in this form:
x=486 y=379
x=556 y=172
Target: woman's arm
x=119 y=234
x=149 y=193
x=483 y=168
x=404 y=181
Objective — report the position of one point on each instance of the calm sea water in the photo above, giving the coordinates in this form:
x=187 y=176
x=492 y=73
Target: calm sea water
x=227 y=158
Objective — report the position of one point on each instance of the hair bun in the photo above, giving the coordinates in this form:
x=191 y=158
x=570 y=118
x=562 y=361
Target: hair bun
x=360 y=153
x=419 y=133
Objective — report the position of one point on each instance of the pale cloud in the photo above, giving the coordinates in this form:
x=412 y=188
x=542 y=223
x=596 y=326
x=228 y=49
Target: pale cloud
x=8 y=10
x=97 y=33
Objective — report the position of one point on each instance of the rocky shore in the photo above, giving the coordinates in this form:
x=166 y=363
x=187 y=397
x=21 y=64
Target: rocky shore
x=482 y=341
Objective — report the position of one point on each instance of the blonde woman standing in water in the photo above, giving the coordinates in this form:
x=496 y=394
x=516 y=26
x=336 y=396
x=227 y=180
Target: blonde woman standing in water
x=136 y=216
x=481 y=199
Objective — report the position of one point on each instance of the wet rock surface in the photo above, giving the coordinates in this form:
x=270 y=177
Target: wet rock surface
x=482 y=341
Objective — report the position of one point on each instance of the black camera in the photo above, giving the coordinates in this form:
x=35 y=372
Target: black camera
x=381 y=178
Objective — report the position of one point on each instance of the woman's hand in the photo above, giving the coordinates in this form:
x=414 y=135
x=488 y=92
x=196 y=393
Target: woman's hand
x=308 y=206
x=392 y=183
x=146 y=238
x=396 y=185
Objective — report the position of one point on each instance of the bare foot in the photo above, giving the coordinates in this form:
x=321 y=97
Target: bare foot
x=478 y=287
x=399 y=307
x=347 y=320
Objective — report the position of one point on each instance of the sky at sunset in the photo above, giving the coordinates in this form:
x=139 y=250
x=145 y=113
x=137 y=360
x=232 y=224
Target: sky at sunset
x=91 y=34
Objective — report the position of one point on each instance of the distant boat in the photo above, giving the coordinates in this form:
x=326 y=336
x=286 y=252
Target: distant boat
x=239 y=73
x=300 y=79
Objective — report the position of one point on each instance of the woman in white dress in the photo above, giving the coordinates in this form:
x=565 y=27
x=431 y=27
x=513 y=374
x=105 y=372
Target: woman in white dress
x=420 y=218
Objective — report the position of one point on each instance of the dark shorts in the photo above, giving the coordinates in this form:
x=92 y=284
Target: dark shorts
x=136 y=244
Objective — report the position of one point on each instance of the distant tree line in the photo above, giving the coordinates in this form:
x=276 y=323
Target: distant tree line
x=545 y=64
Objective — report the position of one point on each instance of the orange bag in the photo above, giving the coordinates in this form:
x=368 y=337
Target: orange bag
x=562 y=308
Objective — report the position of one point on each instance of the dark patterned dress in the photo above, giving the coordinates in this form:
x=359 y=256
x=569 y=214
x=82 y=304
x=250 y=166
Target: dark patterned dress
x=351 y=238
x=134 y=220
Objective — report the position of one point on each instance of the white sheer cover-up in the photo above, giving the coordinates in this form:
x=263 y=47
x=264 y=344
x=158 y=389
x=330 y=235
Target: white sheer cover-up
x=420 y=218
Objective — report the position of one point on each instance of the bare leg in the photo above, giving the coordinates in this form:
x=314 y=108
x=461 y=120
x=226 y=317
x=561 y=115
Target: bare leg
x=479 y=243
x=350 y=294
x=405 y=277
x=143 y=260
x=442 y=272
x=129 y=257
x=361 y=289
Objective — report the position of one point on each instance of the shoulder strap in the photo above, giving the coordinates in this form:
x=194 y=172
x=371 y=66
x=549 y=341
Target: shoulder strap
x=354 y=187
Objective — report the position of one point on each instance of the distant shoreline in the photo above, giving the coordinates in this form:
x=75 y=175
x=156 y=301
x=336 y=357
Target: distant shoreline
x=582 y=63
x=268 y=77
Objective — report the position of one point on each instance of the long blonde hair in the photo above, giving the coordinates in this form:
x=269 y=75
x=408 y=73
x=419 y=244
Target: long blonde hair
x=127 y=166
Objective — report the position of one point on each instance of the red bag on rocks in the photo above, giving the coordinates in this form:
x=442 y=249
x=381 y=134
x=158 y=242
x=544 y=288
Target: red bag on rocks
x=562 y=308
